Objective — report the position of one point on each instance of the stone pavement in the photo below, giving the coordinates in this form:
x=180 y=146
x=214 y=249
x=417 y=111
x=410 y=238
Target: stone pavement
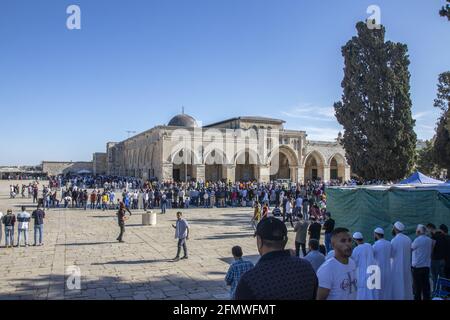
x=141 y=268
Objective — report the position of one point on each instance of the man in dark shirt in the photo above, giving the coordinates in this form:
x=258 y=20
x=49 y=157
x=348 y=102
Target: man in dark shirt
x=328 y=227
x=444 y=230
x=9 y=220
x=438 y=253
x=38 y=215
x=169 y=199
x=276 y=211
x=279 y=275
x=121 y=219
x=314 y=229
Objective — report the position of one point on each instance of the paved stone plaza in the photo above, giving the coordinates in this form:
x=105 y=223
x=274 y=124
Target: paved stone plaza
x=140 y=268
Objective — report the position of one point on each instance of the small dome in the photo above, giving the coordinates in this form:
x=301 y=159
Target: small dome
x=183 y=120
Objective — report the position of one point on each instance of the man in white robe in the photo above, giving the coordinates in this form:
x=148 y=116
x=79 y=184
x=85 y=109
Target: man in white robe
x=363 y=257
x=401 y=264
x=382 y=255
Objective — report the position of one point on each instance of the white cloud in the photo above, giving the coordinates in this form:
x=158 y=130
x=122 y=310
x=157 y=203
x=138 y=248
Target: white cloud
x=311 y=112
x=423 y=126
x=420 y=115
x=322 y=134
x=315 y=116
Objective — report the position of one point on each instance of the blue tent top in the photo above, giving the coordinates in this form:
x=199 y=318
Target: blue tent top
x=419 y=178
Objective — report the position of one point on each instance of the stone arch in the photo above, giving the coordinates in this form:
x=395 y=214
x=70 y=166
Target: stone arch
x=147 y=156
x=317 y=154
x=183 y=161
x=253 y=156
x=246 y=162
x=288 y=151
x=314 y=164
x=178 y=158
x=214 y=162
x=283 y=162
x=215 y=156
x=134 y=161
x=135 y=158
x=338 y=157
x=152 y=157
x=129 y=160
x=141 y=157
x=337 y=163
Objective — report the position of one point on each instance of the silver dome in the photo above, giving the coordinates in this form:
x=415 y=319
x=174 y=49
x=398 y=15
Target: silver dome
x=183 y=120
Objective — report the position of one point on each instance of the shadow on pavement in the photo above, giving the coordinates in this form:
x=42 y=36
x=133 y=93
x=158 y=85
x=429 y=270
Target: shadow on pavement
x=132 y=262
x=85 y=243
x=253 y=258
x=168 y=287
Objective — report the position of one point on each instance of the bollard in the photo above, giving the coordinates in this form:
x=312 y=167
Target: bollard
x=152 y=218
x=145 y=219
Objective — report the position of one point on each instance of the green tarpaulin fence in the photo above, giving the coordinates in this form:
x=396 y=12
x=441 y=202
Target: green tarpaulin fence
x=363 y=209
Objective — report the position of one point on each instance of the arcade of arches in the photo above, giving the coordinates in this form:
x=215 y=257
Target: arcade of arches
x=284 y=165
x=149 y=155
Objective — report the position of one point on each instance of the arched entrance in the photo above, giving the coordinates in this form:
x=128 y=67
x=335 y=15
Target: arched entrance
x=337 y=167
x=283 y=163
x=182 y=165
x=279 y=168
x=246 y=166
x=314 y=166
x=214 y=162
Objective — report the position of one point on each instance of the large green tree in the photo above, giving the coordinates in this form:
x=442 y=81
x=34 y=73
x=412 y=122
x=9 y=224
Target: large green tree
x=426 y=162
x=375 y=110
x=442 y=140
x=445 y=11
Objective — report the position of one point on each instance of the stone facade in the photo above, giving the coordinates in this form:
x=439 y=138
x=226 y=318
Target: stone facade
x=54 y=168
x=237 y=149
x=99 y=164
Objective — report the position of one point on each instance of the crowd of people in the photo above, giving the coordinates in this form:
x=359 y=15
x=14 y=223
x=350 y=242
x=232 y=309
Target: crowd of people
x=22 y=220
x=29 y=190
x=348 y=268
x=345 y=266
x=73 y=192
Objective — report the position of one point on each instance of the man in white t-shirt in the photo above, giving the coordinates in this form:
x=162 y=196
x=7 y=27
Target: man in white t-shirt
x=329 y=255
x=337 y=275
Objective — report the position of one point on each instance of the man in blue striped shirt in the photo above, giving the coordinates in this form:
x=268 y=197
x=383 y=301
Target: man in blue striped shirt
x=237 y=269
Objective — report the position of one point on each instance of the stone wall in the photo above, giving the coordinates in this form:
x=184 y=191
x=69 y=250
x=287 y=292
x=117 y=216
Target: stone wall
x=99 y=163
x=53 y=168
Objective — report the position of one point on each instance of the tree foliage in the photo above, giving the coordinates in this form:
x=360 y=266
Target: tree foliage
x=426 y=162
x=375 y=110
x=445 y=11
x=442 y=141
x=443 y=96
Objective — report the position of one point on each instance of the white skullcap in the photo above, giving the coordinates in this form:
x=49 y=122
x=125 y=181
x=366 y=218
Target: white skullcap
x=421 y=228
x=358 y=236
x=379 y=230
x=399 y=226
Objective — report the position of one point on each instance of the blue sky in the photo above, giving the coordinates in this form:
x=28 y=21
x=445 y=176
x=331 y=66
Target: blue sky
x=65 y=93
